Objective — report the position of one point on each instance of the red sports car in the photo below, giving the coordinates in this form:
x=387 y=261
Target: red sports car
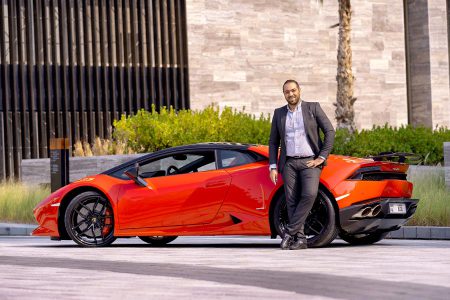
x=224 y=189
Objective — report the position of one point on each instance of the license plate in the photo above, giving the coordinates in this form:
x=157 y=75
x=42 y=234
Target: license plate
x=397 y=208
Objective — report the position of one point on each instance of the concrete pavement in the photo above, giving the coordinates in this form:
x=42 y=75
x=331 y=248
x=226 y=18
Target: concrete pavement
x=406 y=232
x=222 y=268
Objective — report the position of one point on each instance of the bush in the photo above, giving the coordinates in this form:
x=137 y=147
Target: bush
x=151 y=131
x=419 y=140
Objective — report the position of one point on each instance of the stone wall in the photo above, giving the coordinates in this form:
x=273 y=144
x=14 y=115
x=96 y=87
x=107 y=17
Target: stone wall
x=37 y=171
x=240 y=53
x=439 y=62
x=418 y=47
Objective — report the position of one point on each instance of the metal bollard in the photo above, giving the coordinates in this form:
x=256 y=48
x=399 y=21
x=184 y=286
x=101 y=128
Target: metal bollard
x=447 y=163
x=59 y=162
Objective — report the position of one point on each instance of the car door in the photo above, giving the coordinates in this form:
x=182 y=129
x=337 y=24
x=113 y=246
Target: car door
x=250 y=184
x=183 y=189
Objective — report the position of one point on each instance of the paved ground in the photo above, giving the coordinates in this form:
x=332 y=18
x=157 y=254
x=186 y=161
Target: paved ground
x=216 y=268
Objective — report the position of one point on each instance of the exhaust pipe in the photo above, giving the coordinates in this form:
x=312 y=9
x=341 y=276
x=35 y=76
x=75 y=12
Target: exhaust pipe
x=376 y=210
x=368 y=212
x=363 y=213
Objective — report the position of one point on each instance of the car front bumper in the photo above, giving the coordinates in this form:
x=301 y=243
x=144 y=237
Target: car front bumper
x=353 y=219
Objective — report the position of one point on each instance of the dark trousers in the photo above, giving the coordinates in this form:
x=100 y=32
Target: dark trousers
x=301 y=185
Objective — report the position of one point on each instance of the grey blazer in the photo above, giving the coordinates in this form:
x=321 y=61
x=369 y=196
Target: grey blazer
x=314 y=119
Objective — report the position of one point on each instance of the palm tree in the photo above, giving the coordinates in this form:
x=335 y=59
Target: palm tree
x=345 y=113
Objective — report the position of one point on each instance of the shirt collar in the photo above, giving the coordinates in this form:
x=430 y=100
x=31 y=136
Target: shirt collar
x=297 y=108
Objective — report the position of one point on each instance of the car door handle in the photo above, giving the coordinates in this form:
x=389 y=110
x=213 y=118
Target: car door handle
x=215 y=184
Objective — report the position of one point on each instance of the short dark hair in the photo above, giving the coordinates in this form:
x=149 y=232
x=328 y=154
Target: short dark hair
x=291 y=81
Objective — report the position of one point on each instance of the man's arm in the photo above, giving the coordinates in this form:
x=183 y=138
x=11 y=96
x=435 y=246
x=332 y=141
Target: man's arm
x=274 y=141
x=328 y=131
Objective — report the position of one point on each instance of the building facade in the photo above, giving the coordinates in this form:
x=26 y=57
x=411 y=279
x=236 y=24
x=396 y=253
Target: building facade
x=241 y=52
x=69 y=68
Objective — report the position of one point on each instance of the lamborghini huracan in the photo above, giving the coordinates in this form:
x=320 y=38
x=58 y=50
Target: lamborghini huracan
x=224 y=189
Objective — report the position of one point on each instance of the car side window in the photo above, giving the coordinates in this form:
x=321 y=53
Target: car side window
x=181 y=163
x=232 y=158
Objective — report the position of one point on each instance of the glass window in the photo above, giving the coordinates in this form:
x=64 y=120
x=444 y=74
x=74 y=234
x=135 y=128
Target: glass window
x=231 y=158
x=181 y=163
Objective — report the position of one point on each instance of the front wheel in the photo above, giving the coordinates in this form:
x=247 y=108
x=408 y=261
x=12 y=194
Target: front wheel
x=320 y=226
x=158 y=240
x=364 y=238
x=89 y=220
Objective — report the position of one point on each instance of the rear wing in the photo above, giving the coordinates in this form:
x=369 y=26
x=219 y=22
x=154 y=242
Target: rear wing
x=400 y=157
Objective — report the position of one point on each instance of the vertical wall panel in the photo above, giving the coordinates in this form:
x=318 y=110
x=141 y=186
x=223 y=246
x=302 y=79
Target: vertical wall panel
x=69 y=68
x=14 y=91
x=119 y=54
x=150 y=51
x=40 y=88
x=104 y=70
x=7 y=138
x=142 y=52
x=31 y=86
x=63 y=52
x=98 y=116
x=113 y=95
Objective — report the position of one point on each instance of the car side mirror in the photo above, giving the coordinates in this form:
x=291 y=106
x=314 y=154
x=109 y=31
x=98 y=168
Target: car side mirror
x=133 y=173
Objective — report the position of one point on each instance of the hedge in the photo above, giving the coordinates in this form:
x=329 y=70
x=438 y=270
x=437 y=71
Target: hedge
x=150 y=131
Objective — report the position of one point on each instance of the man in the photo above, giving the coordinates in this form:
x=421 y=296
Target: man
x=295 y=127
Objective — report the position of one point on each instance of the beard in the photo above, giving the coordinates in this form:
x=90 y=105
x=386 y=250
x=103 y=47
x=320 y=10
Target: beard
x=293 y=100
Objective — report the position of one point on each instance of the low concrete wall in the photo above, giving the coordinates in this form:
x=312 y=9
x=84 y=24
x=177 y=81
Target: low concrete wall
x=37 y=171
x=447 y=163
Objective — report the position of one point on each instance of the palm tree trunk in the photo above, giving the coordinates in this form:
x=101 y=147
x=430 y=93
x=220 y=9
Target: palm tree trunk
x=344 y=99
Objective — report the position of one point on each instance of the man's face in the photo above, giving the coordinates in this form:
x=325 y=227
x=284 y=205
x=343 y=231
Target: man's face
x=291 y=93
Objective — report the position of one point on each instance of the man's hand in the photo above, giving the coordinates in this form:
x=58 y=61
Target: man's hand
x=315 y=162
x=274 y=176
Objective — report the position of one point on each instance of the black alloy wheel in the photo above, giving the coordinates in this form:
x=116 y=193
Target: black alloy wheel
x=158 y=240
x=320 y=226
x=89 y=220
x=363 y=238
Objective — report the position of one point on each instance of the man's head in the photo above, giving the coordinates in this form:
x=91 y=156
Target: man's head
x=291 y=91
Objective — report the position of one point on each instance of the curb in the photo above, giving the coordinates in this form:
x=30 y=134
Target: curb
x=9 y=229
x=421 y=233
x=406 y=232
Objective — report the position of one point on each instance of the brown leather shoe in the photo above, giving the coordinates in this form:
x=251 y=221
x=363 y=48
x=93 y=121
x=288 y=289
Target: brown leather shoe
x=298 y=244
x=286 y=241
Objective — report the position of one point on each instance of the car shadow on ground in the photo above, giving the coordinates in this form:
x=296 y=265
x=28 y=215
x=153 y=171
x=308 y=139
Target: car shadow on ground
x=182 y=245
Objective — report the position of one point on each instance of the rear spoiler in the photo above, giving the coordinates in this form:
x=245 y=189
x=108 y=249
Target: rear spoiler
x=400 y=157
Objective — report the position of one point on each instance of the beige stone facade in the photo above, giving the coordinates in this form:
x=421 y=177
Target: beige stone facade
x=241 y=51
x=439 y=63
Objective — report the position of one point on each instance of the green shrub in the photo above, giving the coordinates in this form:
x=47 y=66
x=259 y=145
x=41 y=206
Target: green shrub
x=151 y=131
x=419 y=140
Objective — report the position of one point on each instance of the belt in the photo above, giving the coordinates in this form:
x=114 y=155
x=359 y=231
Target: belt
x=299 y=157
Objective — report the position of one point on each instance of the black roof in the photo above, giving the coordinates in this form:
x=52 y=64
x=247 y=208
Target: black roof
x=163 y=152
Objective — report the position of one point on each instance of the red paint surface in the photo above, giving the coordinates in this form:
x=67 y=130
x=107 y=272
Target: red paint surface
x=202 y=203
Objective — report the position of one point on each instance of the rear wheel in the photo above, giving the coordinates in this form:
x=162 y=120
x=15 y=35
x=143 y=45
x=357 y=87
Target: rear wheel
x=89 y=220
x=363 y=239
x=320 y=226
x=158 y=240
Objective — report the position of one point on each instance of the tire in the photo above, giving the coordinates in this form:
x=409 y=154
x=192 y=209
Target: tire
x=320 y=226
x=158 y=240
x=363 y=239
x=89 y=220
